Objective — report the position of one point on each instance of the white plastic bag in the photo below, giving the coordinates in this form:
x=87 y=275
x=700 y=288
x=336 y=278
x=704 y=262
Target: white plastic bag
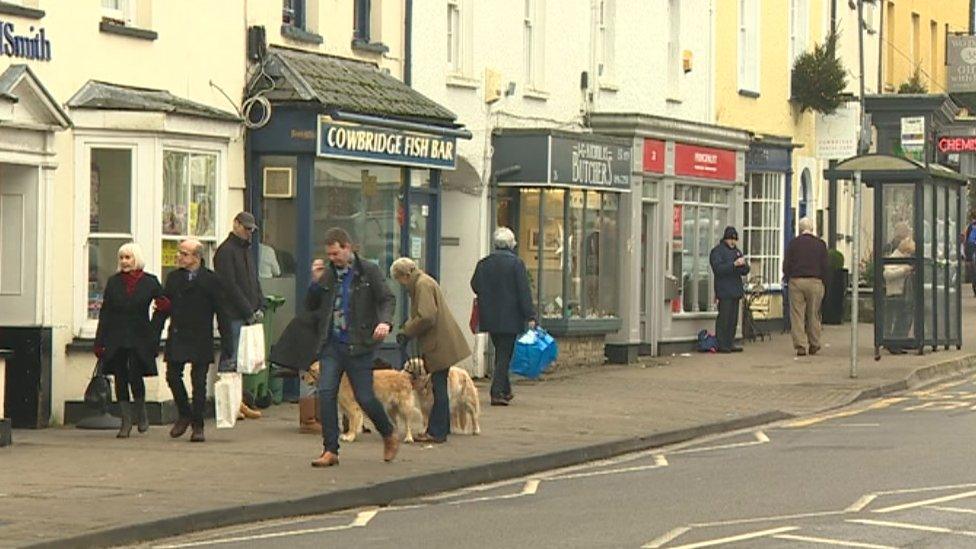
x=250 y=349
x=228 y=391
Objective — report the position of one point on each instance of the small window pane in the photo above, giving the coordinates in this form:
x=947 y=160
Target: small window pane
x=111 y=191
x=102 y=263
x=175 y=191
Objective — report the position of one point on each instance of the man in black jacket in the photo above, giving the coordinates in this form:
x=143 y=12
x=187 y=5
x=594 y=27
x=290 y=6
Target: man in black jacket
x=501 y=283
x=195 y=294
x=355 y=314
x=729 y=266
x=234 y=264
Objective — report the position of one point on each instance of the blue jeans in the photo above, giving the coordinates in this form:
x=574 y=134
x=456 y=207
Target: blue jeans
x=334 y=360
x=439 y=424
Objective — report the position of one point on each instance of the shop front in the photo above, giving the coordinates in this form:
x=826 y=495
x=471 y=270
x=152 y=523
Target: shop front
x=326 y=161
x=687 y=187
x=561 y=195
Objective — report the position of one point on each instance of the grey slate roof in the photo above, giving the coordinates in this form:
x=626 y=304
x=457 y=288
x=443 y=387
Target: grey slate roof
x=12 y=76
x=348 y=85
x=104 y=95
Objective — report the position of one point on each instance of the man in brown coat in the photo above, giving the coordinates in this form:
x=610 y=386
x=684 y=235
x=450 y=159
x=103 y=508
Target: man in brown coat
x=439 y=337
x=805 y=269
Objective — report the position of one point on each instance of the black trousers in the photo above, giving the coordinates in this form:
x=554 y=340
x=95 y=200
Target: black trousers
x=128 y=374
x=198 y=380
x=504 y=347
x=726 y=323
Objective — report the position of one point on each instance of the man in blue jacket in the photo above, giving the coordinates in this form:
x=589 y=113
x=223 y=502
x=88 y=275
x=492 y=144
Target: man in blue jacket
x=729 y=267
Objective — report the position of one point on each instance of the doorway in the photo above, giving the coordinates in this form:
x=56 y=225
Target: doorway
x=18 y=245
x=650 y=271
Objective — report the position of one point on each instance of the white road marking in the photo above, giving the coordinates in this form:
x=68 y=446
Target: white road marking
x=766 y=519
x=926 y=489
x=530 y=488
x=659 y=461
x=362 y=519
x=953 y=509
x=926 y=502
x=909 y=526
x=740 y=537
x=861 y=503
x=859 y=425
x=826 y=541
x=761 y=438
x=666 y=538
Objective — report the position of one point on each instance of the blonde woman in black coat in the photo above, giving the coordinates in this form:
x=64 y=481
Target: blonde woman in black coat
x=126 y=341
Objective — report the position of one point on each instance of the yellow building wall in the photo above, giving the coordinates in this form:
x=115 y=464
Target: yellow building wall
x=914 y=33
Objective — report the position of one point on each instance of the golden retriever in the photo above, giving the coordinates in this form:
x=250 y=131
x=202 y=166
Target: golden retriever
x=394 y=391
x=462 y=395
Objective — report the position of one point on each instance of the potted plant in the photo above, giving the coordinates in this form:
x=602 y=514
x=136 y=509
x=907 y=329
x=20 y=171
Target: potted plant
x=819 y=79
x=832 y=310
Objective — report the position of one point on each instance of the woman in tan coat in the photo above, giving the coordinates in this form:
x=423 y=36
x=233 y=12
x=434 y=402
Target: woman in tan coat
x=439 y=337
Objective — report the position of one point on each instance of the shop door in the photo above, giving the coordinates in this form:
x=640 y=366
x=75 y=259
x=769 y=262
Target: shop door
x=18 y=245
x=421 y=238
x=649 y=269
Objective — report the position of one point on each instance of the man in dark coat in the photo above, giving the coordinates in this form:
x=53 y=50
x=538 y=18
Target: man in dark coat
x=235 y=265
x=355 y=314
x=729 y=266
x=195 y=294
x=501 y=283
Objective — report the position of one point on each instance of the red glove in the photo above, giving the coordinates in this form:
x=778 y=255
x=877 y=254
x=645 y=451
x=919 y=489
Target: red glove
x=163 y=304
x=99 y=351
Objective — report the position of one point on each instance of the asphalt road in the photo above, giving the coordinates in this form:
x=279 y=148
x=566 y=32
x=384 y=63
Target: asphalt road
x=897 y=472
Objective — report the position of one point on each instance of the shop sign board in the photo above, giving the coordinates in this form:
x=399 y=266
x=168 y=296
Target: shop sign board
x=961 y=63
x=704 y=162
x=33 y=46
x=350 y=141
x=957 y=144
x=913 y=136
x=589 y=163
x=653 y=156
x=837 y=133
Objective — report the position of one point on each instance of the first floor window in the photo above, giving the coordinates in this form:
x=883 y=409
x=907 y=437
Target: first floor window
x=699 y=217
x=762 y=233
x=109 y=218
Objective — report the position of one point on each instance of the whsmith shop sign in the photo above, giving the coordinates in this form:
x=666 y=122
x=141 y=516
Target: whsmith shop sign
x=561 y=159
x=384 y=145
x=33 y=45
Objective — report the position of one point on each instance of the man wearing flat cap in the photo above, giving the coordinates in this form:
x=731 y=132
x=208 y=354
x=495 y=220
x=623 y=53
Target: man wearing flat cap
x=729 y=266
x=236 y=266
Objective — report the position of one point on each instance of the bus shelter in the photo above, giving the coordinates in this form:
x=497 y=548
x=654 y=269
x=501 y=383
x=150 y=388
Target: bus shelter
x=917 y=261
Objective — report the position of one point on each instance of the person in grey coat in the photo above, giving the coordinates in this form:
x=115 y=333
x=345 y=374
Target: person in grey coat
x=505 y=308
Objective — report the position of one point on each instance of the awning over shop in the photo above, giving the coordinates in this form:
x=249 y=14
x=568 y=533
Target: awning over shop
x=553 y=158
x=359 y=90
x=107 y=96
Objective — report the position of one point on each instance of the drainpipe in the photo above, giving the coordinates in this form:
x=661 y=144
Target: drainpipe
x=972 y=23
x=408 y=42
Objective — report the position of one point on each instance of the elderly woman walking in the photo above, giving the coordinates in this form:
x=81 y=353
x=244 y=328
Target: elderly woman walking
x=501 y=283
x=439 y=337
x=126 y=341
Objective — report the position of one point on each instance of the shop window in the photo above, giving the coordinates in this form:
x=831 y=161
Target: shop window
x=367 y=22
x=700 y=215
x=293 y=13
x=189 y=191
x=367 y=201
x=571 y=251
x=762 y=233
x=109 y=218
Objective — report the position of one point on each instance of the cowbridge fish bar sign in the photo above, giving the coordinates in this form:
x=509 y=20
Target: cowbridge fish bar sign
x=349 y=141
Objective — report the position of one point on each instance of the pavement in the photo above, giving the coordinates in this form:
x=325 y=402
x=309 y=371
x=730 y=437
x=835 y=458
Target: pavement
x=64 y=487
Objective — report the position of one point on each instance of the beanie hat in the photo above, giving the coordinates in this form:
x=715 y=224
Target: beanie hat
x=730 y=232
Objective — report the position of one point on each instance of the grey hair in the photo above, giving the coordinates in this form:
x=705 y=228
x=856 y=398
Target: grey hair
x=196 y=244
x=504 y=238
x=806 y=225
x=133 y=249
x=403 y=266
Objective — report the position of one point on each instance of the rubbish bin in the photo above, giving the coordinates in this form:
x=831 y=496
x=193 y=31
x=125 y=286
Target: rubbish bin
x=261 y=385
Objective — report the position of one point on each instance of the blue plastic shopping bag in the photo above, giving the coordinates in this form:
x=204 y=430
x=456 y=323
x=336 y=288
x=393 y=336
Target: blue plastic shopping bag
x=534 y=351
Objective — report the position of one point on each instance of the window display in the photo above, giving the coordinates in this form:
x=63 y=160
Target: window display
x=700 y=215
x=189 y=189
x=762 y=233
x=110 y=218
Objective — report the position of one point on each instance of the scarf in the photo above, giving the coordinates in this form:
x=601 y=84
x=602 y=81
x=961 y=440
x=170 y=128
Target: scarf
x=130 y=279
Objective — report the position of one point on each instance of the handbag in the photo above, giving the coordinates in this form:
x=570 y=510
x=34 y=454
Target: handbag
x=475 y=315
x=98 y=392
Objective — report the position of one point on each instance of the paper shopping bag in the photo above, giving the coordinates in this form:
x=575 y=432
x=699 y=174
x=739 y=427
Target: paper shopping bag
x=228 y=391
x=250 y=350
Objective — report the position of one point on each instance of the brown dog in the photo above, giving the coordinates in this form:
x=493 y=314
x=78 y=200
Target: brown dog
x=393 y=389
x=462 y=395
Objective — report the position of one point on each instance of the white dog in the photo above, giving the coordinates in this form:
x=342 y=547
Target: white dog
x=462 y=394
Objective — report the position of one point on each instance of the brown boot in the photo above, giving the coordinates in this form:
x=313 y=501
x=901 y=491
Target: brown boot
x=391 y=444
x=249 y=413
x=307 y=417
x=327 y=459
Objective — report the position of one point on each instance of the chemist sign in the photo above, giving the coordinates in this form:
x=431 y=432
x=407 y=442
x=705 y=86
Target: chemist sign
x=384 y=145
